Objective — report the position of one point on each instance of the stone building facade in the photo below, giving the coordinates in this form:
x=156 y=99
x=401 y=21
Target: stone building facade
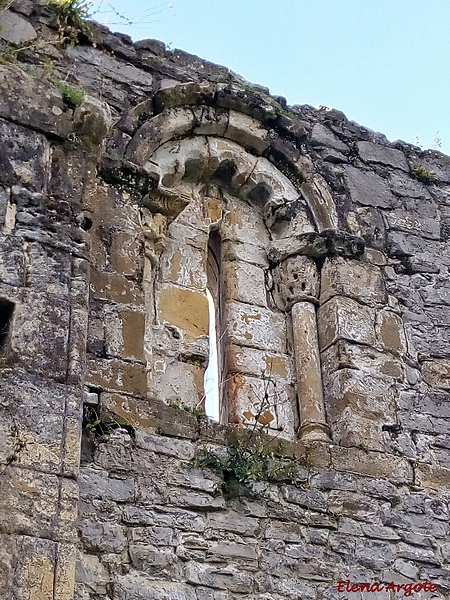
x=326 y=250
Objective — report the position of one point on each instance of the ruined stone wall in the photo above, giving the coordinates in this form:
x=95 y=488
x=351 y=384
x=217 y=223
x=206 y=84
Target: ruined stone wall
x=332 y=283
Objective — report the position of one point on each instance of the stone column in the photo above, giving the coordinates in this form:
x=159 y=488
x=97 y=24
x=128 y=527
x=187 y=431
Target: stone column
x=297 y=288
x=309 y=380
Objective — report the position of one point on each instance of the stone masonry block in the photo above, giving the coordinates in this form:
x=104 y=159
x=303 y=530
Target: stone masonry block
x=247 y=132
x=27 y=568
x=30 y=501
x=344 y=318
x=184 y=265
x=40 y=423
x=250 y=361
x=369 y=189
x=244 y=282
x=180 y=383
x=124 y=333
x=115 y=288
x=252 y=394
x=183 y=308
x=39 y=331
x=116 y=375
x=12 y=260
x=371 y=464
x=364 y=395
x=127 y=254
x=344 y=354
x=437 y=373
x=352 y=430
x=256 y=327
x=354 y=279
x=376 y=153
x=243 y=223
x=390 y=332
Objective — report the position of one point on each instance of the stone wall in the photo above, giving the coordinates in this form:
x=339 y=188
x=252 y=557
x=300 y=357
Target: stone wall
x=332 y=291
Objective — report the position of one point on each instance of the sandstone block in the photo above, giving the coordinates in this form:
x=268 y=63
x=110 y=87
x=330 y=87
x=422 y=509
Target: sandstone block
x=183 y=308
x=184 y=265
x=116 y=375
x=256 y=327
x=250 y=361
x=243 y=223
x=344 y=318
x=126 y=253
x=247 y=252
x=344 y=354
x=244 y=282
x=361 y=394
x=180 y=383
x=390 y=332
x=361 y=281
x=247 y=132
x=115 y=287
x=40 y=423
x=124 y=333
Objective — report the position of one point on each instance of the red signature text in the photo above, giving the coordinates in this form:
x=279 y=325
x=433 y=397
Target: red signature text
x=407 y=588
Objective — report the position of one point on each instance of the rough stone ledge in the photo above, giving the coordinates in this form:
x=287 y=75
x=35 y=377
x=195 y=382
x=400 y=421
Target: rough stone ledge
x=156 y=417
x=318 y=245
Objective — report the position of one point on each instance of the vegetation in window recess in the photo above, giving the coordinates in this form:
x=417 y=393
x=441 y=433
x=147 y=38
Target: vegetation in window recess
x=423 y=174
x=196 y=411
x=250 y=458
x=102 y=425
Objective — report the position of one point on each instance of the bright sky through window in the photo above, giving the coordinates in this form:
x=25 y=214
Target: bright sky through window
x=212 y=372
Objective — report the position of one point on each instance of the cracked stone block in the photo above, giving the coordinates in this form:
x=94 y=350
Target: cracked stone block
x=256 y=327
x=361 y=281
x=344 y=318
x=369 y=189
x=244 y=282
x=376 y=153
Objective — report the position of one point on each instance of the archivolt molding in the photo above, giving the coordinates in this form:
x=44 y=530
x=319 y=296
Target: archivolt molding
x=205 y=125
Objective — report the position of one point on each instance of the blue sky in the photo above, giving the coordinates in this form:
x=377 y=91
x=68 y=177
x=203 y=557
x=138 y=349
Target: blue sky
x=384 y=63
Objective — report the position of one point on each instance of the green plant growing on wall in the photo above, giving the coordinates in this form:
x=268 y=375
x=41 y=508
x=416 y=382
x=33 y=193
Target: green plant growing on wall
x=72 y=95
x=423 y=174
x=71 y=13
x=250 y=456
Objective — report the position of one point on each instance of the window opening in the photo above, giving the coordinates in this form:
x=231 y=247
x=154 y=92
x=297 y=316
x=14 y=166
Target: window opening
x=214 y=406
x=6 y=314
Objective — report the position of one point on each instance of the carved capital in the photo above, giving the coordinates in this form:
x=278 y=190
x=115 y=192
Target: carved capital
x=154 y=227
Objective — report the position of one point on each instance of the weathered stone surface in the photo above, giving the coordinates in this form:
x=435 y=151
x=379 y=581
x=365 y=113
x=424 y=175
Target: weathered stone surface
x=296 y=279
x=369 y=189
x=80 y=254
x=344 y=318
x=257 y=327
x=244 y=282
x=376 y=153
x=363 y=282
x=15 y=29
x=322 y=136
x=437 y=373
